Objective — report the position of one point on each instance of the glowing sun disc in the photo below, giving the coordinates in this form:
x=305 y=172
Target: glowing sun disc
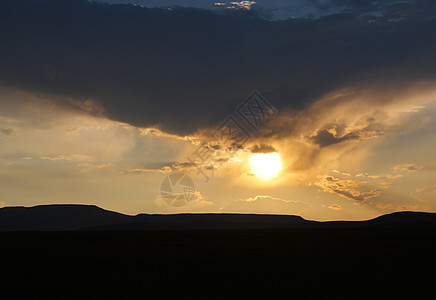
x=265 y=164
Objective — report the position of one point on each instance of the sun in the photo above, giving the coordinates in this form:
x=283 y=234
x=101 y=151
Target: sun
x=265 y=164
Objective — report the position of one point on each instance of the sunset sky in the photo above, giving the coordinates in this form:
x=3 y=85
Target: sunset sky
x=100 y=103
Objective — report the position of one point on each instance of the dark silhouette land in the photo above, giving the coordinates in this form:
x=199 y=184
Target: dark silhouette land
x=63 y=217
x=82 y=252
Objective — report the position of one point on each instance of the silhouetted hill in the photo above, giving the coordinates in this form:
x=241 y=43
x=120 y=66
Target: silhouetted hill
x=405 y=217
x=402 y=218
x=208 y=221
x=62 y=217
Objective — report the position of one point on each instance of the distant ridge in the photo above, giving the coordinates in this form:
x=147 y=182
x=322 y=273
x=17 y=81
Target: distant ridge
x=56 y=217
x=68 y=217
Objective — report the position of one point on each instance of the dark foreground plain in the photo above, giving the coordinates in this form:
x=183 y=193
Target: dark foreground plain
x=384 y=262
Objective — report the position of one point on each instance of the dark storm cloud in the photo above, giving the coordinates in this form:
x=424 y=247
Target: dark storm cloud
x=187 y=68
x=262 y=149
x=325 y=138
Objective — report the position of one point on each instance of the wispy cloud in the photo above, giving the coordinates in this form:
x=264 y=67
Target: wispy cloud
x=408 y=168
x=74 y=157
x=265 y=204
x=159 y=170
x=6 y=131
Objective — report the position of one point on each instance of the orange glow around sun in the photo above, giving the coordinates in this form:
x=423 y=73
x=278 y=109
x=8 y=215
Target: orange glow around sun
x=266 y=165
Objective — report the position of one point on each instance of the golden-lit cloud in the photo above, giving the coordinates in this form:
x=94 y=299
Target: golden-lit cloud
x=343 y=127
x=339 y=130
x=160 y=170
x=159 y=133
x=349 y=189
x=265 y=204
x=335 y=207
